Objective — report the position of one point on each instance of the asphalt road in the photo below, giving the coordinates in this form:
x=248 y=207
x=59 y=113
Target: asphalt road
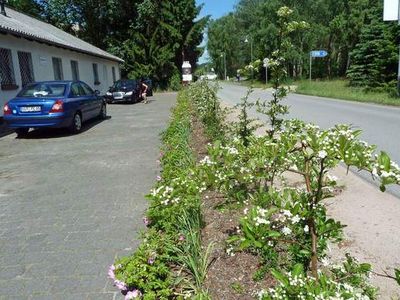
x=69 y=204
x=380 y=124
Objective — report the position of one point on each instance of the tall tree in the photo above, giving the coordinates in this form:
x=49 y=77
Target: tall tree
x=374 y=58
x=31 y=7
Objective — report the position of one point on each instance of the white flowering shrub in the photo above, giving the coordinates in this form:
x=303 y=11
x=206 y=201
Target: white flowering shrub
x=296 y=284
x=236 y=169
x=277 y=228
x=204 y=96
x=242 y=172
x=273 y=108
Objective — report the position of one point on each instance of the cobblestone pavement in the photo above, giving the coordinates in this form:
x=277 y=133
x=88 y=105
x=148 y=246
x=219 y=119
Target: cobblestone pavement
x=69 y=204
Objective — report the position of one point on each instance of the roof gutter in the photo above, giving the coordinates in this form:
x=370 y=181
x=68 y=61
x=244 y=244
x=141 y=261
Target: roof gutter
x=51 y=43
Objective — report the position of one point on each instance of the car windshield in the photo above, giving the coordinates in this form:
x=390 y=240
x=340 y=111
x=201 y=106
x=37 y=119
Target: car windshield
x=43 y=90
x=124 y=84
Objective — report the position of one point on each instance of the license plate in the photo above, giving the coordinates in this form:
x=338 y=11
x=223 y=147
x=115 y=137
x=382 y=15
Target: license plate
x=31 y=108
x=118 y=95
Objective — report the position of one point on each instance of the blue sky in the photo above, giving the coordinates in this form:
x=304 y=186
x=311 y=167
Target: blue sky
x=215 y=8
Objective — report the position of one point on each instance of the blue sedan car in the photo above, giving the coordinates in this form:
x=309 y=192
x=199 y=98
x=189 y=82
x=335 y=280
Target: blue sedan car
x=55 y=104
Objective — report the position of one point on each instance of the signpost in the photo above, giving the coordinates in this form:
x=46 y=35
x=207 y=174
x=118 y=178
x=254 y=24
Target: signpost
x=266 y=62
x=391 y=12
x=316 y=54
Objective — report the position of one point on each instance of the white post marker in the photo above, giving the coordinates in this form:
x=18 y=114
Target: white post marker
x=391 y=12
x=266 y=62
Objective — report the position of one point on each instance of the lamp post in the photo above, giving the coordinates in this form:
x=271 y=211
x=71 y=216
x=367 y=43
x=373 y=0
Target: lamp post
x=247 y=40
x=223 y=55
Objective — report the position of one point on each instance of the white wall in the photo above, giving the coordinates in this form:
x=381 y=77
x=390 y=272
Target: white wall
x=43 y=66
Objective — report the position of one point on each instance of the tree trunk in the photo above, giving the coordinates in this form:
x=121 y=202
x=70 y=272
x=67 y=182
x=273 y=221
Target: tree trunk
x=314 y=248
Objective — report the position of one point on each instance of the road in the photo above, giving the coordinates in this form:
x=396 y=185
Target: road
x=380 y=124
x=69 y=204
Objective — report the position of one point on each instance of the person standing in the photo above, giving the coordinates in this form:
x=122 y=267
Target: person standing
x=143 y=91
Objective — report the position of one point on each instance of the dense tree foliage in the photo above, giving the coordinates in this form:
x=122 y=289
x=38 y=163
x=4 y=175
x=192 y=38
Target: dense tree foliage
x=152 y=36
x=359 y=43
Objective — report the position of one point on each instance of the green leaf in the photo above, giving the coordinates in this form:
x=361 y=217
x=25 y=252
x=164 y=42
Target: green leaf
x=273 y=234
x=297 y=270
x=280 y=277
x=397 y=275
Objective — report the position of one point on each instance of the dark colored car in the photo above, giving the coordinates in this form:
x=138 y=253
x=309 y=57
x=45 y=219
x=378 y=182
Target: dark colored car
x=54 y=104
x=127 y=90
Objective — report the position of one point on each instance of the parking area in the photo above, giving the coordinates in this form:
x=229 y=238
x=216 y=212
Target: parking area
x=70 y=203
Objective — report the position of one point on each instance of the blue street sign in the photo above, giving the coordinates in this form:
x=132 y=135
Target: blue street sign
x=319 y=53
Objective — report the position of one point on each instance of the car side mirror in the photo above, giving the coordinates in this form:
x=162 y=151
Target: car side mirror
x=97 y=92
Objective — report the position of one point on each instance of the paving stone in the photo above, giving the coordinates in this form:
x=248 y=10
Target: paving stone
x=75 y=202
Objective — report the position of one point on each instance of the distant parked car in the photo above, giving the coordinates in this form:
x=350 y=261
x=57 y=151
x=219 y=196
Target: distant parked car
x=209 y=76
x=54 y=104
x=127 y=90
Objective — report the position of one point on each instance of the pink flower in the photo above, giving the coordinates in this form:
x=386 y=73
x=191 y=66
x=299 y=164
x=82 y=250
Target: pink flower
x=120 y=285
x=181 y=237
x=132 y=295
x=146 y=221
x=151 y=260
x=161 y=154
x=111 y=273
x=159 y=178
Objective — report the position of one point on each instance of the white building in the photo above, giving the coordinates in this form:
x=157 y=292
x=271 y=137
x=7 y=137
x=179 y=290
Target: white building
x=32 y=50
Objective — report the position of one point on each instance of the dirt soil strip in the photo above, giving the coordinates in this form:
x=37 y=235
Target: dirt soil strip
x=229 y=277
x=372 y=233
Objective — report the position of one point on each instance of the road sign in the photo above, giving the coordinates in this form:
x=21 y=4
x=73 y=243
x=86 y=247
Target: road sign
x=319 y=53
x=391 y=10
x=266 y=62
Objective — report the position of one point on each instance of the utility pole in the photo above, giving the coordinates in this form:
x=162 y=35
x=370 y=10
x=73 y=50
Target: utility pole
x=310 y=65
x=251 y=54
x=225 y=64
x=223 y=56
x=398 y=70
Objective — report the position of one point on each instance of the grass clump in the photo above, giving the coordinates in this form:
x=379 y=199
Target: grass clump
x=340 y=89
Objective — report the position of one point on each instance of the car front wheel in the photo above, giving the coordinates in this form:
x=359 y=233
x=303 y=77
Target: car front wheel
x=76 y=125
x=103 y=112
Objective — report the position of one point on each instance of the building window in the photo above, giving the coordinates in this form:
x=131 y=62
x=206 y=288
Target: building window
x=105 y=74
x=58 y=69
x=7 y=75
x=96 y=74
x=26 y=67
x=113 y=74
x=75 y=70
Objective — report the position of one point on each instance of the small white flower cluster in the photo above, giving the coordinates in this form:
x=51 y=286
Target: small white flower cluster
x=165 y=194
x=379 y=172
x=260 y=218
x=303 y=286
x=282 y=220
x=230 y=251
x=207 y=161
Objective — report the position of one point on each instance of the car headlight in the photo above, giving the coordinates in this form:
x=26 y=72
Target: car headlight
x=129 y=93
x=108 y=94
